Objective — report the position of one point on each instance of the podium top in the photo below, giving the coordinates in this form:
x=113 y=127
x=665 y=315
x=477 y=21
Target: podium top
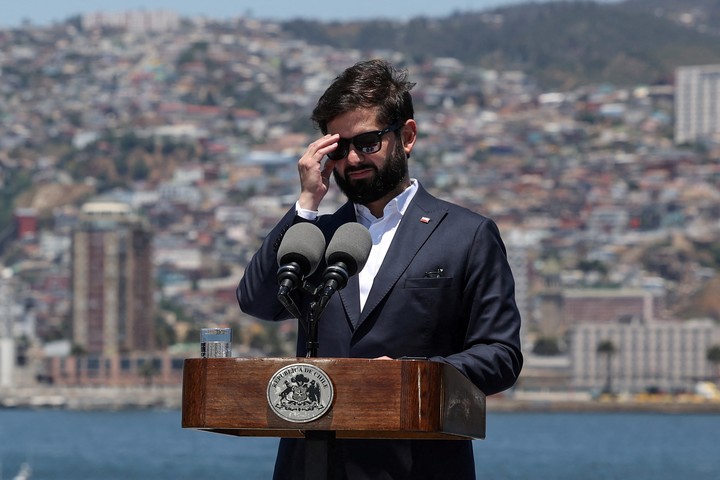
x=402 y=399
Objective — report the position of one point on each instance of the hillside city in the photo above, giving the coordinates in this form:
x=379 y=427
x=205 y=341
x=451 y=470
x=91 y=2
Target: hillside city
x=198 y=126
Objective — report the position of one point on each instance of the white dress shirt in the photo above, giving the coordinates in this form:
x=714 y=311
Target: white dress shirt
x=382 y=230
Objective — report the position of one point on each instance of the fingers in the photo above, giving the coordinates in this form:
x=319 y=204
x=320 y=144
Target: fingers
x=321 y=147
x=314 y=174
x=317 y=150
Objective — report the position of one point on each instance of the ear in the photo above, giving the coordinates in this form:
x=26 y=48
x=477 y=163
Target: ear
x=408 y=133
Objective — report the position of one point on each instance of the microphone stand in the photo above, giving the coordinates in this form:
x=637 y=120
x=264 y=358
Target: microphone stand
x=310 y=323
x=311 y=329
x=319 y=444
x=338 y=278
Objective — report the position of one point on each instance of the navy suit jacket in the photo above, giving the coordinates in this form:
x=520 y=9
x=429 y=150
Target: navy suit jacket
x=444 y=291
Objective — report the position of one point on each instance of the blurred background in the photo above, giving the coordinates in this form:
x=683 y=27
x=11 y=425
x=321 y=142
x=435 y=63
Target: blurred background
x=145 y=153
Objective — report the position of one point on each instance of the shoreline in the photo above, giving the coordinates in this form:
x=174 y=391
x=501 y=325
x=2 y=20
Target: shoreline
x=93 y=398
x=170 y=397
x=600 y=406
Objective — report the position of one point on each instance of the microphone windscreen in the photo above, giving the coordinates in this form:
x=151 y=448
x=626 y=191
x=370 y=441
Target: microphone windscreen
x=303 y=243
x=351 y=245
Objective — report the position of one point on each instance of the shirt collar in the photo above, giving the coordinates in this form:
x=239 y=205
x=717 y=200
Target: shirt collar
x=398 y=205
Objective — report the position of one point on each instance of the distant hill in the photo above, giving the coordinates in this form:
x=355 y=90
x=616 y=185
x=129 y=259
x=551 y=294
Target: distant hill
x=561 y=44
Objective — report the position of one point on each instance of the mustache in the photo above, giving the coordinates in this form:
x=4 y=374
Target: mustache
x=357 y=168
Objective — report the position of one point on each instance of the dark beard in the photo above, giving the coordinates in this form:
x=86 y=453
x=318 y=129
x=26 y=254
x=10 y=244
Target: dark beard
x=383 y=182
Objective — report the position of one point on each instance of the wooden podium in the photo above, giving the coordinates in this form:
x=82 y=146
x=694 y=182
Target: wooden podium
x=391 y=399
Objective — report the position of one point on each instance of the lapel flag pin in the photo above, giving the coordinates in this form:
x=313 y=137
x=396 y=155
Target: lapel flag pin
x=425 y=220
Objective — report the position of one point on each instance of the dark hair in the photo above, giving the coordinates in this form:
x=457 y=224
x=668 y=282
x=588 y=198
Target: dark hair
x=369 y=84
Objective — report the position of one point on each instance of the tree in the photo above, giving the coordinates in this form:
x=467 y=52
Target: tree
x=547 y=346
x=77 y=350
x=148 y=370
x=607 y=349
x=713 y=356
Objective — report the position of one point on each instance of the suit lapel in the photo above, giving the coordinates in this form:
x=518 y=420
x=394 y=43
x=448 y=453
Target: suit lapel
x=350 y=295
x=423 y=215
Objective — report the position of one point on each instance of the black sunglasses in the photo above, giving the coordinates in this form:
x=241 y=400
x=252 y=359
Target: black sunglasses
x=368 y=142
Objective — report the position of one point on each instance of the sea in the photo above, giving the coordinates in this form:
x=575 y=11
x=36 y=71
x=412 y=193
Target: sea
x=151 y=444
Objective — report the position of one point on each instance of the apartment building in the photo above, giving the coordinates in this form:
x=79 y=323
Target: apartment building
x=112 y=284
x=669 y=356
x=697 y=102
x=562 y=309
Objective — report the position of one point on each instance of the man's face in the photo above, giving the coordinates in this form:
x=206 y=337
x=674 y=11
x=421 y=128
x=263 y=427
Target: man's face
x=367 y=177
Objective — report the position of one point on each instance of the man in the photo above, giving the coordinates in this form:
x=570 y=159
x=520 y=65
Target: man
x=436 y=284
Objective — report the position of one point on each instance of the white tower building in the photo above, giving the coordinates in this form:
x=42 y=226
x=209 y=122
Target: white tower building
x=697 y=102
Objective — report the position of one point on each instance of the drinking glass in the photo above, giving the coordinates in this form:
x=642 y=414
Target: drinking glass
x=215 y=342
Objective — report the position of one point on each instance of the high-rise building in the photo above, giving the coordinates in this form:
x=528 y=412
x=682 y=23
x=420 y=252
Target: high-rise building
x=133 y=20
x=112 y=281
x=697 y=102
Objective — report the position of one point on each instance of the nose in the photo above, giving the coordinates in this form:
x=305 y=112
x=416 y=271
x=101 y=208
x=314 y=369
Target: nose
x=353 y=157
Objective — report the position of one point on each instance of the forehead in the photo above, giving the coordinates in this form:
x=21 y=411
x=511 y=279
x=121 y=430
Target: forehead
x=354 y=122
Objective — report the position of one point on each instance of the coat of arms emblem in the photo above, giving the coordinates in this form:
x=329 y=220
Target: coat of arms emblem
x=300 y=392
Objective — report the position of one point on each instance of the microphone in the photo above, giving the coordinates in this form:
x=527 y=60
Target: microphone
x=346 y=255
x=298 y=256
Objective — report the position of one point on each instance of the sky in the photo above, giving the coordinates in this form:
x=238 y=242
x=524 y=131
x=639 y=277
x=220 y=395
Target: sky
x=45 y=12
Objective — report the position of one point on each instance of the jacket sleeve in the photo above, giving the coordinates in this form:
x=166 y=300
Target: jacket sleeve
x=491 y=357
x=258 y=288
